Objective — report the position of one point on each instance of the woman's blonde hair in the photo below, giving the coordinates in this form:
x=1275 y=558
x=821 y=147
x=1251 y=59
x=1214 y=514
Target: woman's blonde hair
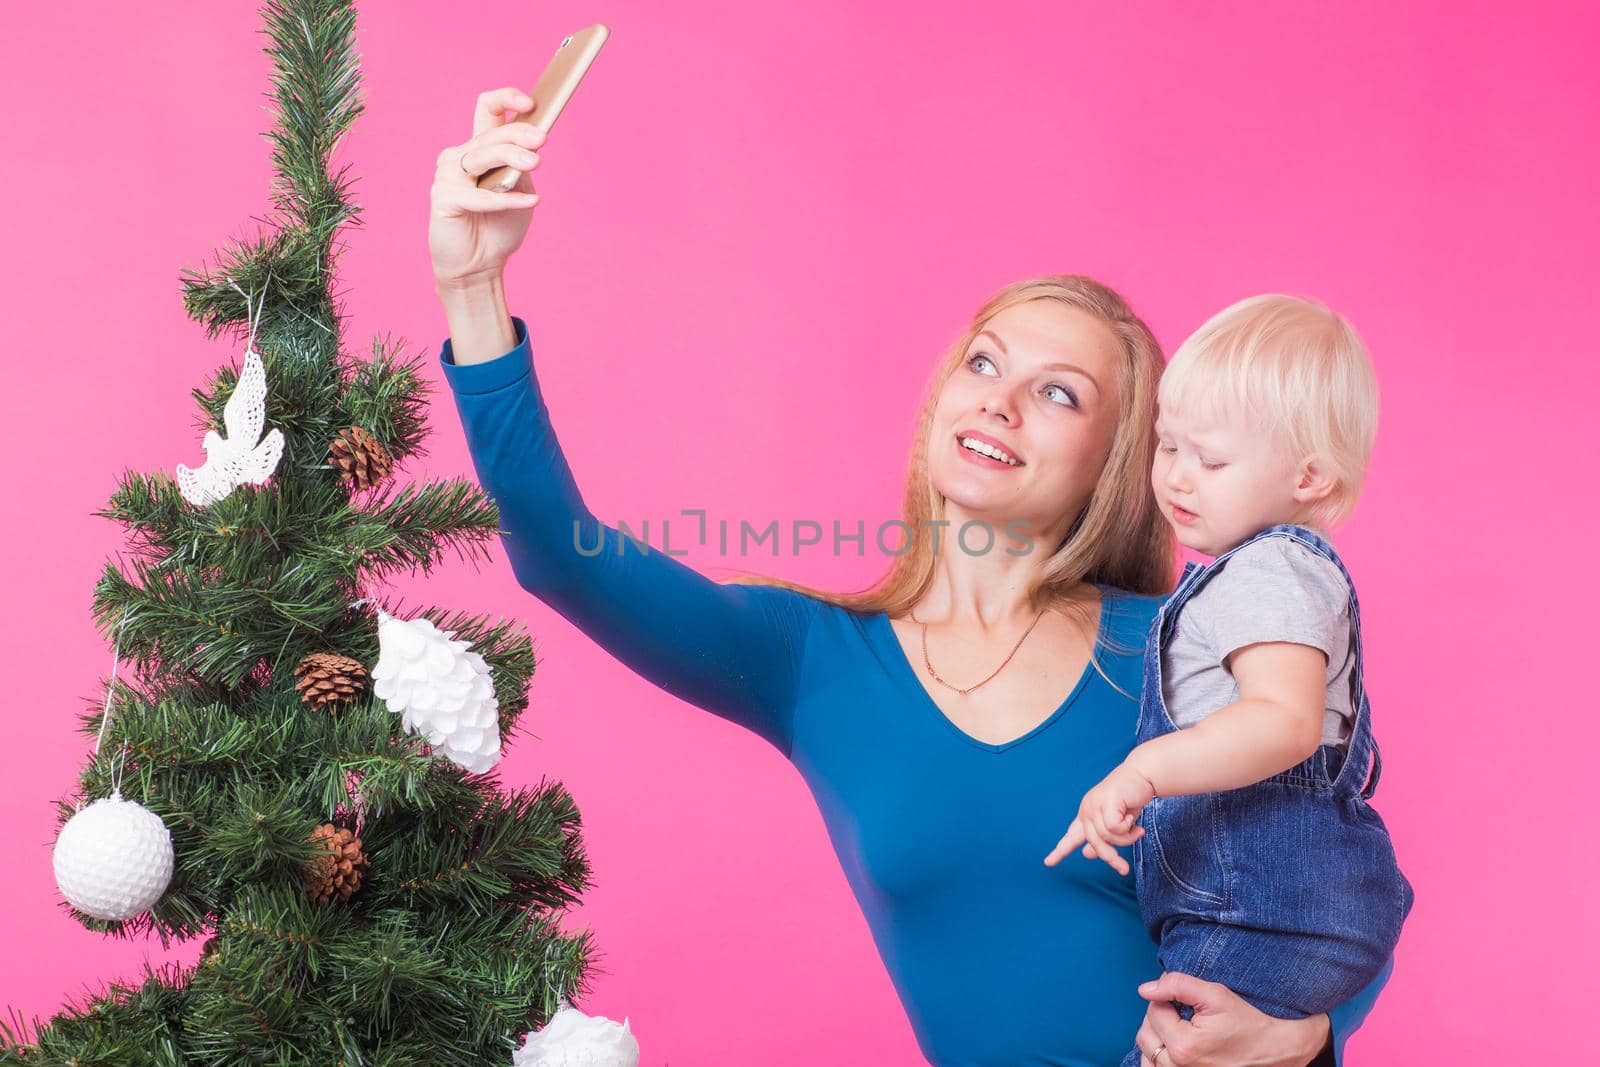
x=1119 y=538
x=1297 y=370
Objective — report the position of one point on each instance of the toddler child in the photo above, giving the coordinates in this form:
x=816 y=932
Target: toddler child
x=1259 y=863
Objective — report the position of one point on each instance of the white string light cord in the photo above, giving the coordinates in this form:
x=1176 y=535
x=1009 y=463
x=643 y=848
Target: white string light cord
x=253 y=314
x=118 y=761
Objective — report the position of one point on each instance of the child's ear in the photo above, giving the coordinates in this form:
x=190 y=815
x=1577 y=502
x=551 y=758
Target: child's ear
x=1313 y=480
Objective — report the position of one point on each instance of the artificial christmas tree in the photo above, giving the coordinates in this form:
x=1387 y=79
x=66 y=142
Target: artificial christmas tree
x=368 y=894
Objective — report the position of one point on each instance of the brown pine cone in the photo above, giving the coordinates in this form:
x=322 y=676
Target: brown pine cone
x=360 y=458
x=340 y=868
x=325 y=678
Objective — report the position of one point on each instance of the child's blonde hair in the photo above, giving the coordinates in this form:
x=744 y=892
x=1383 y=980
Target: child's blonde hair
x=1300 y=371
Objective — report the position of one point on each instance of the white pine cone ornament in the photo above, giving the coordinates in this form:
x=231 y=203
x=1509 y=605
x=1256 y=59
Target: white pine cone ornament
x=113 y=859
x=440 y=688
x=573 y=1039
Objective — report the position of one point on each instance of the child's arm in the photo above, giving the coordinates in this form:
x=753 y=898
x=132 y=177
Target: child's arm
x=1274 y=627
x=1106 y=817
x=1275 y=724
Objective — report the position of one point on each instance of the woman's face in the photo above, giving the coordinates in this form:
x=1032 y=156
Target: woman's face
x=1039 y=384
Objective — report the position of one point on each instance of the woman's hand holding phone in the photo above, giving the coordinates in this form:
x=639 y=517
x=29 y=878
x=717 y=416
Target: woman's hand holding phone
x=472 y=231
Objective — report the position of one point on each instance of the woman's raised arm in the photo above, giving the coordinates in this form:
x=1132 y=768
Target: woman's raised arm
x=731 y=649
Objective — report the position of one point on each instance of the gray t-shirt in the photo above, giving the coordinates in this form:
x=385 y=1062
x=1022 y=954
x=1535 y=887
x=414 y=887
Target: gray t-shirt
x=1274 y=589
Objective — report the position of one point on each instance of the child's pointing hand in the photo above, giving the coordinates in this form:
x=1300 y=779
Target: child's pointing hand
x=1106 y=819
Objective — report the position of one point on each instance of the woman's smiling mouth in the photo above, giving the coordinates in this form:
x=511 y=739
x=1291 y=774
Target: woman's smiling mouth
x=985 y=450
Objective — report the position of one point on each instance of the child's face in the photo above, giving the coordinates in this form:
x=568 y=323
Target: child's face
x=1220 y=480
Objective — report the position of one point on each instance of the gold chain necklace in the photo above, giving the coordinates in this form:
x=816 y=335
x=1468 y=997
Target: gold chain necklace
x=997 y=670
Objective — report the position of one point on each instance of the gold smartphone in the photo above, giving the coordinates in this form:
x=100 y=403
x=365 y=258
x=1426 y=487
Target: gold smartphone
x=551 y=93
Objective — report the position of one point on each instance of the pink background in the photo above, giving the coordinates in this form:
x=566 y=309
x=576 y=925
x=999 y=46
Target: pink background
x=761 y=223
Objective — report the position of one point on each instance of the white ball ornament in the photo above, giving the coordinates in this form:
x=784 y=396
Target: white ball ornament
x=440 y=688
x=113 y=859
x=573 y=1039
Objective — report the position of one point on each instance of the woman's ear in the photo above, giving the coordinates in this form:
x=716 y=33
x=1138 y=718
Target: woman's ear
x=1314 y=481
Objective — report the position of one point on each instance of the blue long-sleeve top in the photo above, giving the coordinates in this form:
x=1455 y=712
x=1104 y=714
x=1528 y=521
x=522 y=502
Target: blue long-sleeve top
x=999 y=960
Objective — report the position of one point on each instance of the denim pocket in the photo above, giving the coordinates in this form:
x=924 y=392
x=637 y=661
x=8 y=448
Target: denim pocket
x=1382 y=860
x=1181 y=834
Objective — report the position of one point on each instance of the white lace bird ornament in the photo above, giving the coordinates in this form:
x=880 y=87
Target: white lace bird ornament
x=245 y=456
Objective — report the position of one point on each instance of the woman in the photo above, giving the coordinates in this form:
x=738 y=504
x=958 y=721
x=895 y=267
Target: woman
x=947 y=720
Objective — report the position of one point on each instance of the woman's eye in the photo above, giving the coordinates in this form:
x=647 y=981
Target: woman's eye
x=1168 y=449
x=1071 y=397
x=980 y=363
x=1210 y=466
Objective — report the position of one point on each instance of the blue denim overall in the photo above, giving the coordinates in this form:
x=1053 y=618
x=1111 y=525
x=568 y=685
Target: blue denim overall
x=1286 y=891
